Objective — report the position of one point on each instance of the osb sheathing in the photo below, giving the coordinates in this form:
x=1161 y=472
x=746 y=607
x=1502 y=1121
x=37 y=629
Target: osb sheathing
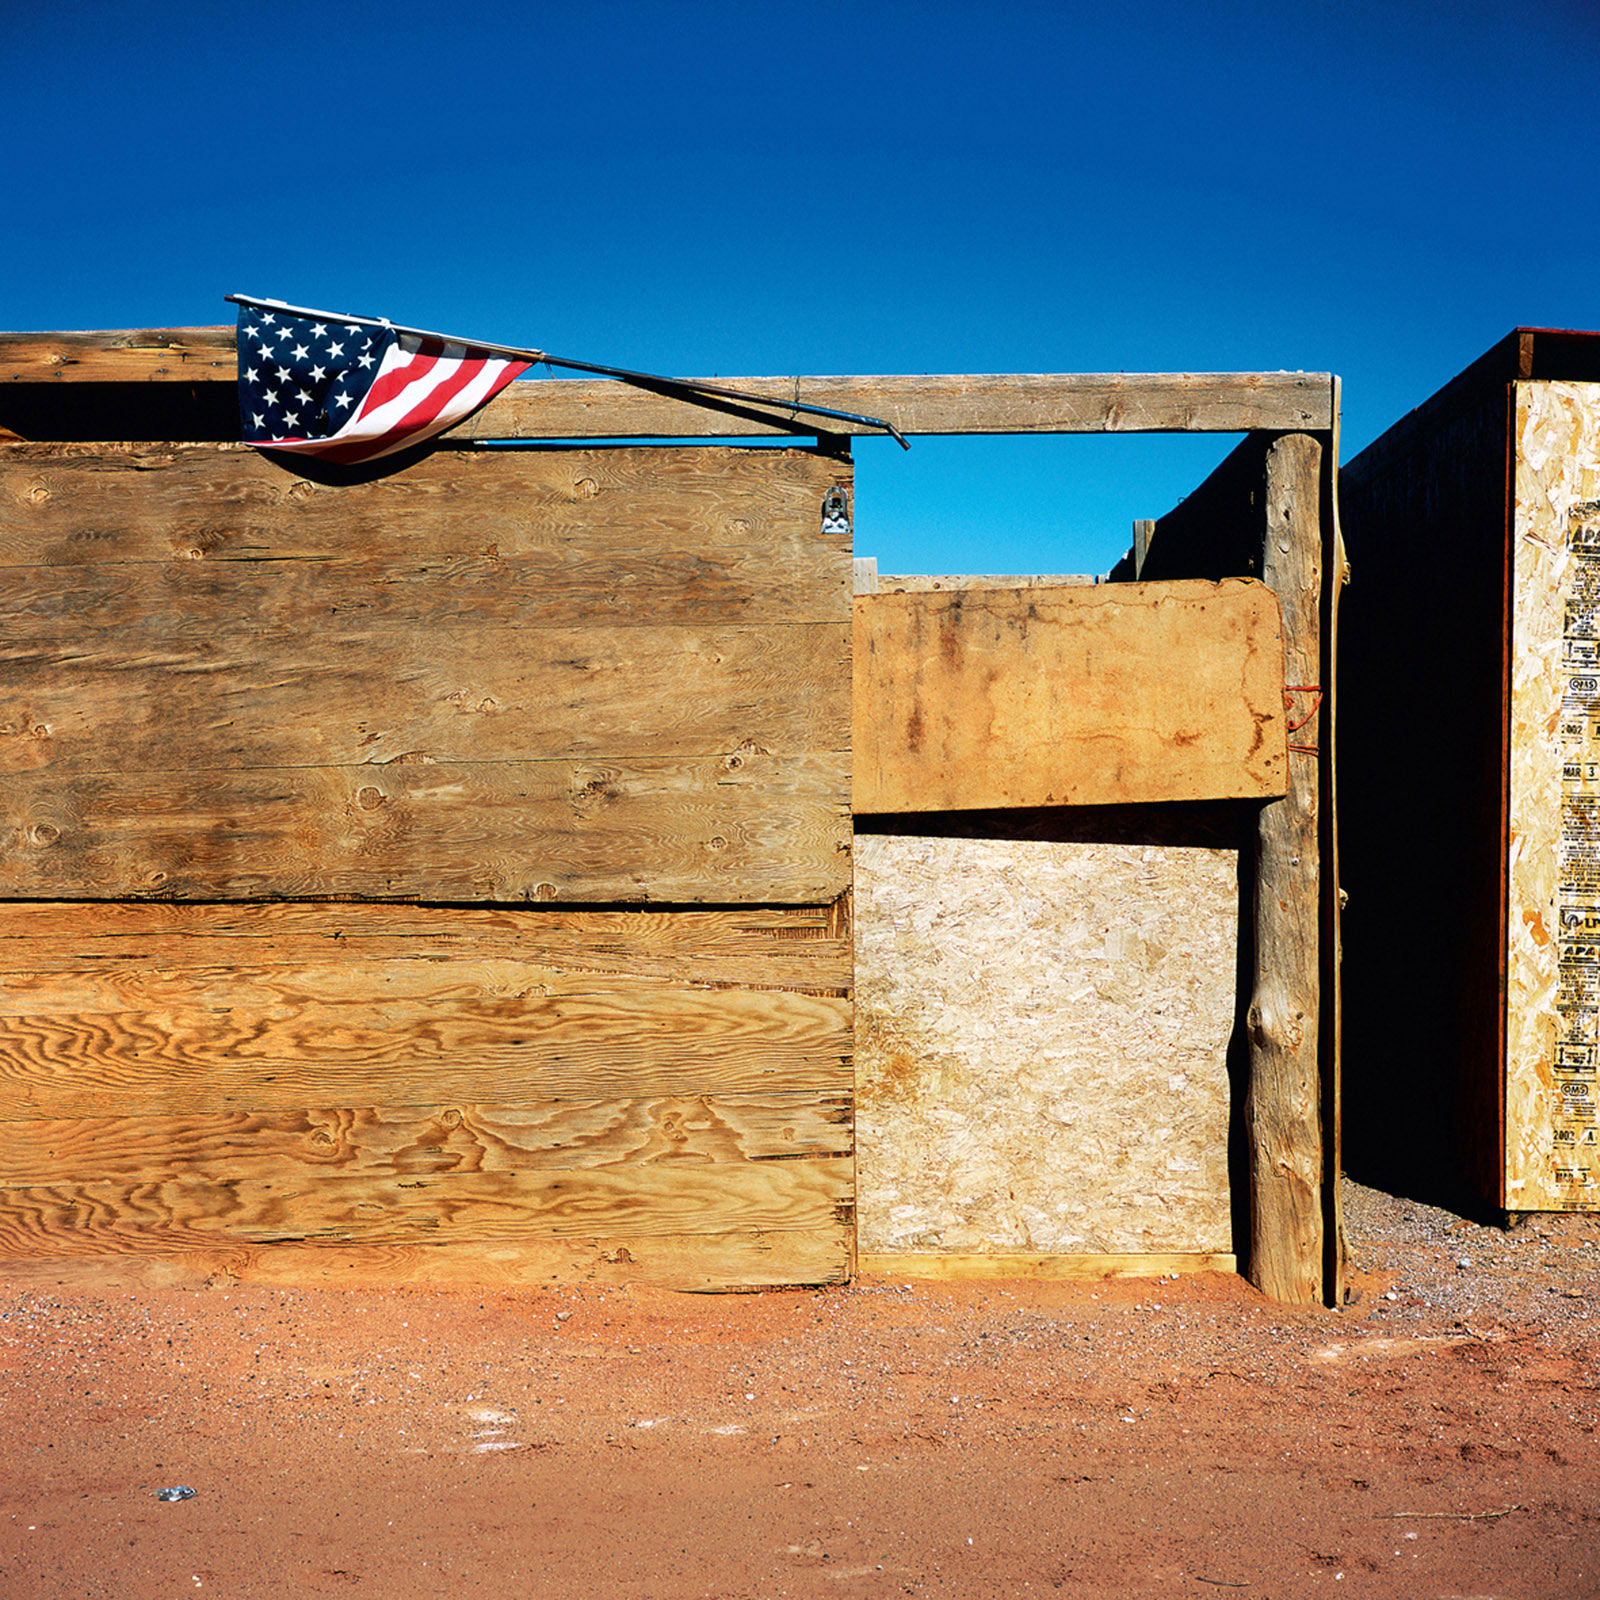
x=1553 y=920
x=1041 y=1032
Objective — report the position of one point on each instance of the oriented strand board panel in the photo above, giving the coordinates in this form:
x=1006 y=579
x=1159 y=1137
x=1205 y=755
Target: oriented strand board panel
x=1097 y=695
x=592 y=675
x=1552 y=1160
x=545 y=1088
x=1041 y=1035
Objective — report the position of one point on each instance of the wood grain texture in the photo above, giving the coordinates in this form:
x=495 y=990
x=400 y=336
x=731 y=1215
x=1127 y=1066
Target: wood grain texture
x=180 y=1079
x=937 y=403
x=1072 y=696
x=532 y=675
x=185 y=1211
x=226 y=692
x=299 y=1019
x=1283 y=1112
x=290 y=1148
x=120 y=355
x=958 y=403
x=770 y=947
x=736 y=827
x=703 y=1263
x=569 y=538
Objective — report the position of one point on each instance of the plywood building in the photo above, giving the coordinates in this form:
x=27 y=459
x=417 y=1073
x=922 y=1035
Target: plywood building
x=467 y=872
x=1472 y=784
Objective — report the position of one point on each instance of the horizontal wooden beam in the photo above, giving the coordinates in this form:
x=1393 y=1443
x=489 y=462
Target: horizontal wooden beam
x=120 y=355
x=1108 y=694
x=948 y=403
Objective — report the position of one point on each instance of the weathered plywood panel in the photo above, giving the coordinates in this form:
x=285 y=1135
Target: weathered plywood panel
x=1072 y=696
x=1041 y=1039
x=734 y=827
x=185 y=1078
x=598 y=675
x=1552 y=1162
x=169 y=1025
x=694 y=1262
x=183 y=1211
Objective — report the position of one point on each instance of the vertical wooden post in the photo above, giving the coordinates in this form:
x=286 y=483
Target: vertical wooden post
x=1142 y=529
x=1283 y=1105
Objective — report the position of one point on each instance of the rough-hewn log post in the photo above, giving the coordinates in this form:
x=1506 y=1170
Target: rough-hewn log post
x=1283 y=1105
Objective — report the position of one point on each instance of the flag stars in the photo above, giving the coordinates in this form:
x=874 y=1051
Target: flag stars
x=300 y=352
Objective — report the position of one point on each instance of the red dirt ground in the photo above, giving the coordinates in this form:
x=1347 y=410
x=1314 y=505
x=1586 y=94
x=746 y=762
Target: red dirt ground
x=1165 y=1438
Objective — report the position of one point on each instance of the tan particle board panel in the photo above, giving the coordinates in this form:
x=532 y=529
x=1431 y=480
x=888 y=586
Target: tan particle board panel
x=1041 y=1036
x=599 y=675
x=195 y=1078
x=1095 y=695
x=1552 y=1162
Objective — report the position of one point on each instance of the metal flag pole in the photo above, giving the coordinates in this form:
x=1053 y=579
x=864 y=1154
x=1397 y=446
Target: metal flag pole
x=647 y=380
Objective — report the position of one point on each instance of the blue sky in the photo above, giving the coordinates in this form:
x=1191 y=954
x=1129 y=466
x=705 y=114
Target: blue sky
x=1379 y=190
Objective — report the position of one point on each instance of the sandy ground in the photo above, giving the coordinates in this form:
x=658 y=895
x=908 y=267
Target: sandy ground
x=1166 y=1438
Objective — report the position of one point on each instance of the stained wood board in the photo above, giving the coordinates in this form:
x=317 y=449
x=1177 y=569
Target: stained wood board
x=1080 y=695
x=197 y=1079
x=597 y=675
x=1552 y=1157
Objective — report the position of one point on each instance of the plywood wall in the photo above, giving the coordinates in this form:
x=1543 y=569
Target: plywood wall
x=1042 y=1031
x=598 y=675
x=1552 y=1161
x=602 y=677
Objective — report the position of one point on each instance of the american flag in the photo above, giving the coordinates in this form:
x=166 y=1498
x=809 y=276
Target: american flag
x=355 y=391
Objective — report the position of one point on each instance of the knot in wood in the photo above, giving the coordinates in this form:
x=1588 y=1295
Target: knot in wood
x=586 y=488
x=44 y=833
x=369 y=799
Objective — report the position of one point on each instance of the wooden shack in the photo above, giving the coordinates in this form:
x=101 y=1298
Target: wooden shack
x=1471 y=785
x=446 y=873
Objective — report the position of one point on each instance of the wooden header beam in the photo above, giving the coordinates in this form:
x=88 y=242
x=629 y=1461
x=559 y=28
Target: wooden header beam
x=1103 y=694
x=962 y=403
